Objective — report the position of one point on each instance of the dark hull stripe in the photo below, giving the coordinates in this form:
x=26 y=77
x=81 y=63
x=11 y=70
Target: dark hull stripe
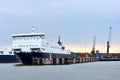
x=26 y=58
x=8 y=59
x=110 y=59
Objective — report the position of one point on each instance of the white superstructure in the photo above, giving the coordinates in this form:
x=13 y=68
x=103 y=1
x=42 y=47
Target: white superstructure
x=35 y=42
x=6 y=51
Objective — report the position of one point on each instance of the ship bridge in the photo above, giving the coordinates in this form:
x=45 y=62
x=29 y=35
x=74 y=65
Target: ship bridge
x=27 y=42
x=28 y=35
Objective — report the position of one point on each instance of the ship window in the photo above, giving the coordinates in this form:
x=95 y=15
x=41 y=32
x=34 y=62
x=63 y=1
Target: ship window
x=42 y=37
x=30 y=45
x=35 y=49
x=14 y=38
x=1 y=52
x=43 y=49
x=17 y=49
x=10 y=52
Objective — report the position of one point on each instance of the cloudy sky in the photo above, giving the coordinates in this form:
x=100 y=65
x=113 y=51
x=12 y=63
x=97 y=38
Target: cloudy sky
x=76 y=21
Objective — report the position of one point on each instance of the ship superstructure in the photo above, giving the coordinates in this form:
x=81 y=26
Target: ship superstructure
x=6 y=51
x=35 y=42
x=34 y=45
x=7 y=56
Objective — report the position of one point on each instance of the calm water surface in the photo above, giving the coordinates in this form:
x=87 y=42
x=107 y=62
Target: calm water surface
x=84 y=71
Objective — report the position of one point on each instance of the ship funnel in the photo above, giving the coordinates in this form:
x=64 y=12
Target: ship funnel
x=59 y=42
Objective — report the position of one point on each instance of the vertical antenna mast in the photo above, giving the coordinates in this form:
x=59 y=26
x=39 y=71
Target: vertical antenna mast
x=59 y=42
x=33 y=29
x=108 y=42
x=110 y=34
x=93 y=49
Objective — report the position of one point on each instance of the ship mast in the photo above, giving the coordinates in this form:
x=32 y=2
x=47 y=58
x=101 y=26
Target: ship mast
x=108 y=42
x=59 y=42
x=33 y=29
x=93 y=48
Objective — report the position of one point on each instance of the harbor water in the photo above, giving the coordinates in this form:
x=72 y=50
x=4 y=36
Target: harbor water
x=83 y=71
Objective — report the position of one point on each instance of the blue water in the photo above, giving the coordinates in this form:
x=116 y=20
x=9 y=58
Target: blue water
x=84 y=71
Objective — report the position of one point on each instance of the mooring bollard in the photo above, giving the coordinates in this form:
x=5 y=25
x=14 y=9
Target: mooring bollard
x=57 y=60
x=63 y=60
x=54 y=61
x=40 y=61
x=66 y=60
x=80 y=60
x=60 y=60
x=35 y=61
x=74 y=60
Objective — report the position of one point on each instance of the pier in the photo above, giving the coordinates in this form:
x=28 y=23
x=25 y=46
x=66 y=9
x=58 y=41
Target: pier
x=62 y=61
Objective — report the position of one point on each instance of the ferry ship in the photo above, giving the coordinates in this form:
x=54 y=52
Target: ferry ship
x=7 y=56
x=32 y=47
